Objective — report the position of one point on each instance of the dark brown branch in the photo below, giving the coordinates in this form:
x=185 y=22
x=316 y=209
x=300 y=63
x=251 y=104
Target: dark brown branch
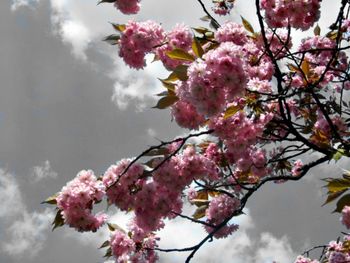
x=214 y=21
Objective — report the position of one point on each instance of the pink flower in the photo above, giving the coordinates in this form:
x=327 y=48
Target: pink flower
x=128 y=7
x=345 y=218
x=181 y=38
x=296 y=170
x=138 y=39
x=76 y=200
x=222 y=7
x=301 y=259
x=301 y=14
x=231 y=32
x=121 y=245
x=219 y=209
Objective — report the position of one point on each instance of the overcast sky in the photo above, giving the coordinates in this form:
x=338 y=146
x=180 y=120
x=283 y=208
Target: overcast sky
x=68 y=103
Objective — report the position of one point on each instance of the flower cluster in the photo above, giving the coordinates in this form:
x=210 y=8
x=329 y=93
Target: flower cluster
x=222 y=7
x=138 y=39
x=220 y=208
x=297 y=166
x=279 y=42
x=128 y=7
x=335 y=252
x=301 y=14
x=179 y=38
x=239 y=130
x=317 y=54
x=215 y=79
x=323 y=132
x=345 y=218
x=121 y=188
x=186 y=115
x=126 y=249
x=302 y=259
x=76 y=199
x=231 y=32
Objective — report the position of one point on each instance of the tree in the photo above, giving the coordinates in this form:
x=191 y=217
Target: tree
x=262 y=102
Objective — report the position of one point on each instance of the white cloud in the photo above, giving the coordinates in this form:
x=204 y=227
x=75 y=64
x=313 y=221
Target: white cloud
x=27 y=235
x=239 y=248
x=76 y=34
x=11 y=203
x=72 y=30
x=271 y=249
x=25 y=230
x=151 y=132
x=21 y=3
x=42 y=172
x=137 y=86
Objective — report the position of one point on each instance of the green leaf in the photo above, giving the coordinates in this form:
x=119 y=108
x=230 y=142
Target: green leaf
x=172 y=77
x=119 y=27
x=113 y=227
x=170 y=86
x=345 y=200
x=200 y=212
x=157 y=152
x=346 y=175
x=202 y=195
x=293 y=68
x=247 y=25
x=181 y=72
x=209 y=34
x=205 y=18
x=108 y=253
x=105 y=244
x=112 y=39
x=332 y=196
x=201 y=30
x=338 y=155
x=166 y=102
x=51 y=200
x=58 y=221
x=197 y=48
x=180 y=55
x=317 y=30
x=151 y=163
x=336 y=185
x=163 y=94
x=332 y=35
x=230 y=111
x=305 y=67
x=200 y=202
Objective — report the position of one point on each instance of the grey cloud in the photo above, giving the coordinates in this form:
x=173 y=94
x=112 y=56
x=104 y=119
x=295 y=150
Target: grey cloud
x=43 y=171
x=11 y=203
x=26 y=236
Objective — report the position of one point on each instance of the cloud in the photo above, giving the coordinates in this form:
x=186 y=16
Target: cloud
x=72 y=30
x=11 y=203
x=271 y=249
x=42 y=172
x=76 y=34
x=24 y=231
x=28 y=234
x=21 y=3
x=241 y=247
x=139 y=87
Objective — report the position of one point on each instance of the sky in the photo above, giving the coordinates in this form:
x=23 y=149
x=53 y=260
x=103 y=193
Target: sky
x=68 y=103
